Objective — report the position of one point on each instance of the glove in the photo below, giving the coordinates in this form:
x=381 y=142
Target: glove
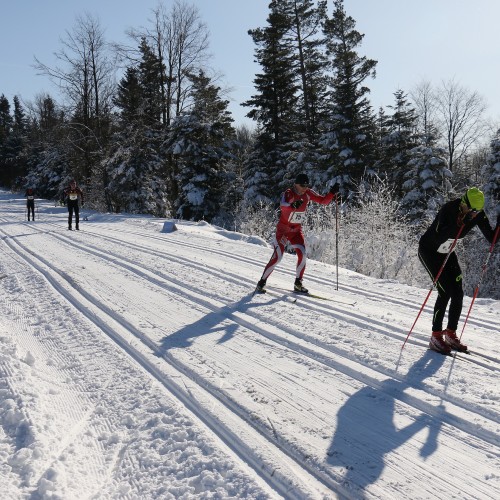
x=469 y=217
x=296 y=204
x=83 y=204
x=335 y=188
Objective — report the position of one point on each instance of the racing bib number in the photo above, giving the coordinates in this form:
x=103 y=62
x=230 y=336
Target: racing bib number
x=297 y=218
x=73 y=196
x=446 y=246
x=31 y=197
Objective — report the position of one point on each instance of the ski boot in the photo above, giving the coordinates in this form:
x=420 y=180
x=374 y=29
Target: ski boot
x=298 y=287
x=438 y=344
x=451 y=339
x=260 y=288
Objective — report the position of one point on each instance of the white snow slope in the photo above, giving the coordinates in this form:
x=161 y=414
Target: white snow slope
x=136 y=364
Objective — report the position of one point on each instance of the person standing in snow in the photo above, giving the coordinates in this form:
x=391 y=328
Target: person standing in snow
x=30 y=202
x=72 y=195
x=461 y=214
x=293 y=207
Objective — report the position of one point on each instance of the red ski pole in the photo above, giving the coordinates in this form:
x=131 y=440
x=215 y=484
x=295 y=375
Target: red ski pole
x=434 y=283
x=476 y=290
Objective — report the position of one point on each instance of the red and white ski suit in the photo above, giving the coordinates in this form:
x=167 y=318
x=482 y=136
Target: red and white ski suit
x=289 y=228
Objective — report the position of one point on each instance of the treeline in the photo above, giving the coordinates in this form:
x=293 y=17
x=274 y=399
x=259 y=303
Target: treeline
x=162 y=140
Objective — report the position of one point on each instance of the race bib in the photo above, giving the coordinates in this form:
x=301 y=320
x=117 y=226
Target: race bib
x=73 y=196
x=446 y=246
x=31 y=197
x=297 y=218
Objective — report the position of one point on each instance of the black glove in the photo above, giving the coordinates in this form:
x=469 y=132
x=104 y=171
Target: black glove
x=469 y=216
x=335 y=188
x=296 y=204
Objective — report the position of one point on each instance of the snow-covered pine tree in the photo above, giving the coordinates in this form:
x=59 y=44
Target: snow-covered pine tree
x=492 y=173
x=348 y=138
x=133 y=171
x=199 y=142
x=275 y=105
x=426 y=180
x=398 y=138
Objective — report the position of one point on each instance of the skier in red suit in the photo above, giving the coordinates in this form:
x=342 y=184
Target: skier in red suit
x=293 y=207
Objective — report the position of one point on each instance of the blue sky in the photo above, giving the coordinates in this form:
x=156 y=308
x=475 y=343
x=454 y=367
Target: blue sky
x=412 y=40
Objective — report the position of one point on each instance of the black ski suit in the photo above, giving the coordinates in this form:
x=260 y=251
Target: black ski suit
x=433 y=247
x=72 y=193
x=30 y=202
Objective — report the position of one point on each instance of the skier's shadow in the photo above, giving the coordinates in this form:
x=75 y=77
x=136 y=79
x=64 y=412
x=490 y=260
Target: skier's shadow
x=365 y=430
x=209 y=324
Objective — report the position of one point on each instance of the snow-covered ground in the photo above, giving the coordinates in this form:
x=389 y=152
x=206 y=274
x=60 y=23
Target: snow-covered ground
x=136 y=364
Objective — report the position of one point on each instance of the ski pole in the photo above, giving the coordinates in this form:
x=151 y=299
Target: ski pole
x=434 y=283
x=476 y=290
x=337 y=238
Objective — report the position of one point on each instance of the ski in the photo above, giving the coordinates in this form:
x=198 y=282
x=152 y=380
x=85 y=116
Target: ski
x=457 y=355
x=274 y=293
x=316 y=296
x=453 y=355
x=293 y=296
x=475 y=353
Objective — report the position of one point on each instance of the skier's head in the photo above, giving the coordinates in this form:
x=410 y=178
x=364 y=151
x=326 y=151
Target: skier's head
x=474 y=199
x=72 y=183
x=302 y=180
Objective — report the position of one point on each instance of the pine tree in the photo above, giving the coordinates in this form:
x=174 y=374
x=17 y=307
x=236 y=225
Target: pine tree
x=133 y=170
x=492 y=172
x=306 y=38
x=129 y=96
x=275 y=104
x=150 y=70
x=199 y=143
x=399 y=137
x=426 y=180
x=348 y=140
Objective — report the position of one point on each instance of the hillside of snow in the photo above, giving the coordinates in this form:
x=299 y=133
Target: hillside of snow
x=136 y=364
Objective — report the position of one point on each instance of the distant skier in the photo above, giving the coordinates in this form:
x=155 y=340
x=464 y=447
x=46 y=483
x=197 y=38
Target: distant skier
x=72 y=196
x=433 y=248
x=293 y=207
x=30 y=202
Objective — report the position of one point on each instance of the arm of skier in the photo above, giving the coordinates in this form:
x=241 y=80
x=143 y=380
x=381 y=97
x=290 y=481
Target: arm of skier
x=318 y=198
x=485 y=226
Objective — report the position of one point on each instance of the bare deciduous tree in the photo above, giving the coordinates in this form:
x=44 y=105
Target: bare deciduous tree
x=180 y=41
x=86 y=77
x=423 y=99
x=461 y=114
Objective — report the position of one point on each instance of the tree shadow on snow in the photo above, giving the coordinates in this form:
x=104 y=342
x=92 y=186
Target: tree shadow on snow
x=211 y=323
x=365 y=430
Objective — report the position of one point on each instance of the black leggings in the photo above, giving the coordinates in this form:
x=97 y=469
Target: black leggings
x=73 y=207
x=449 y=287
x=31 y=209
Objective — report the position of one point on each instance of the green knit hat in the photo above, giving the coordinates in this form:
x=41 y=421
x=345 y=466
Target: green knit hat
x=474 y=198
